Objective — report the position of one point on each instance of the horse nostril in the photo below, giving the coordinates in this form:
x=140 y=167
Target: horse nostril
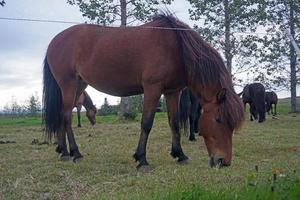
x=220 y=162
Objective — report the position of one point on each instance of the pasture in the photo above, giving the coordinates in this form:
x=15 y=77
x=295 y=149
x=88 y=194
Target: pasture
x=265 y=165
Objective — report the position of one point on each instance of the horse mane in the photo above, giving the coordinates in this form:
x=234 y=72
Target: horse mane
x=87 y=102
x=204 y=65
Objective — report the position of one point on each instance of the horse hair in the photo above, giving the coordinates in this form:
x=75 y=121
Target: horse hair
x=204 y=65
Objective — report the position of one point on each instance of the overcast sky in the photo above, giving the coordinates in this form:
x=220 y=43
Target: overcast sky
x=23 y=45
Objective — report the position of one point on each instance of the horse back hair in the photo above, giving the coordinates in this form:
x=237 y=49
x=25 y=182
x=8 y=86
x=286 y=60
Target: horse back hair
x=203 y=65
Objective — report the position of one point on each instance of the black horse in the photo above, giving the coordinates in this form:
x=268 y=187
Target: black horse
x=190 y=110
x=271 y=98
x=254 y=95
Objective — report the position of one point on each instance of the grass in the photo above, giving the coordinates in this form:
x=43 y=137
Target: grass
x=108 y=171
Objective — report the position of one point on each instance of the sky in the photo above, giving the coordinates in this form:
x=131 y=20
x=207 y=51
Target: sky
x=23 y=45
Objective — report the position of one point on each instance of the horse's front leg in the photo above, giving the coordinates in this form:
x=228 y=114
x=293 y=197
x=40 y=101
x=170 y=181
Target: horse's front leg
x=151 y=98
x=172 y=107
x=78 y=116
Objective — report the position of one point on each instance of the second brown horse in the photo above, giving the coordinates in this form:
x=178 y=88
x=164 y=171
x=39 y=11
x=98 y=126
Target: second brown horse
x=159 y=57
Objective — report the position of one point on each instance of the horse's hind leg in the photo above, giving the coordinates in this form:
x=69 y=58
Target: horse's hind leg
x=62 y=145
x=172 y=107
x=151 y=98
x=70 y=95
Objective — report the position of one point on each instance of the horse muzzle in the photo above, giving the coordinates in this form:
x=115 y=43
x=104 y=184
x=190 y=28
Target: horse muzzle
x=218 y=162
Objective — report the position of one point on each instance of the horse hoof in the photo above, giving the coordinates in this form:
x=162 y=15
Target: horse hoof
x=184 y=162
x=143 y=169
x=65 y=158
x=77 y=160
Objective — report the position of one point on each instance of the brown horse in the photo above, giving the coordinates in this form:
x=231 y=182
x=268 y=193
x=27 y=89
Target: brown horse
x=91 y=110
x=159 y=57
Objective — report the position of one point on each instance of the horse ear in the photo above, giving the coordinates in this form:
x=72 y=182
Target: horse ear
x=221 y=96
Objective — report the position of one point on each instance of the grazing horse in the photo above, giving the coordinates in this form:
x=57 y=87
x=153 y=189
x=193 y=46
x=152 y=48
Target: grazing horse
x=254 y=95
x=189 y=111
x=271 y=98
x=91 y=110
x=160 y=57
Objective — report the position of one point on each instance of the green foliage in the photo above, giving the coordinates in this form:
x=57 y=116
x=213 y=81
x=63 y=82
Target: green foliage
x=108 y=11
x=221 y=22
x=107 y=109
x=34 y=105
x=274 y=50
x=136 y=103
x=31 y=108
x=129 y=116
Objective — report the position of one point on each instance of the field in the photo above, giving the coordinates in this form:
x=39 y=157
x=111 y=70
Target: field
x=265 y=165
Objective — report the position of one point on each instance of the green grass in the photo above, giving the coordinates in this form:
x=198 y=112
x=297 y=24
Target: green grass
x=108 y=170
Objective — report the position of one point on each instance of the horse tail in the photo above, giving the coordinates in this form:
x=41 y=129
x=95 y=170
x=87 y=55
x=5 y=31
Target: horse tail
x=184 y=109
x=52 y=116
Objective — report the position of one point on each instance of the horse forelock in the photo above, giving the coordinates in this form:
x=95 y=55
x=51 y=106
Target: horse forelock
x=204 y=65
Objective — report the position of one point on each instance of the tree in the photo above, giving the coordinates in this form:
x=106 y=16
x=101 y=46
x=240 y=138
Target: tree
x=223 y=19
x=281 y=17
x=34 y=105
x=13 y=109
x=106 y=12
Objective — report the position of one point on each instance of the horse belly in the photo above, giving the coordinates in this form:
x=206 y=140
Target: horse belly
x=114 y=82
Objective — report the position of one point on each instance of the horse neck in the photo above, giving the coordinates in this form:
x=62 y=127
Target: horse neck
x=87 y=102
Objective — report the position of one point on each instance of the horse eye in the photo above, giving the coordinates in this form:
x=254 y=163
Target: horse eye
x=219 y=120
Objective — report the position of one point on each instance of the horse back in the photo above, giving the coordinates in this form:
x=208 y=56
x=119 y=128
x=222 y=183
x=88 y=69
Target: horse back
x=117 y=60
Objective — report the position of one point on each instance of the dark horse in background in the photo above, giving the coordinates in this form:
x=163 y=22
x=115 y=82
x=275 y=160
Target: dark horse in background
x=271 y=98
x=254 y=95
x=85 y=100
x=189 y=113
x=160 y=57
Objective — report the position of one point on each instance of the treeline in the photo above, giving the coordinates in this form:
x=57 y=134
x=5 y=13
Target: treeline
x=136 y=106
x=32 y=108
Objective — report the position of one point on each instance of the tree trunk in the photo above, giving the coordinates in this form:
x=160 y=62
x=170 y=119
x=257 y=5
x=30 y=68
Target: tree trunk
x=124 y=104
x=123 y=12
x=293 y=62
x=228 y=55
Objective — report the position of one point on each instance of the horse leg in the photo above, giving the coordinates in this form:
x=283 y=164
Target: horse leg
x=62 y=145
x=172 y=101
x=151 y=98
x=70 y=96
x=197 y=117
x=275 y=110
x=78 y=116
x=192 y=125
